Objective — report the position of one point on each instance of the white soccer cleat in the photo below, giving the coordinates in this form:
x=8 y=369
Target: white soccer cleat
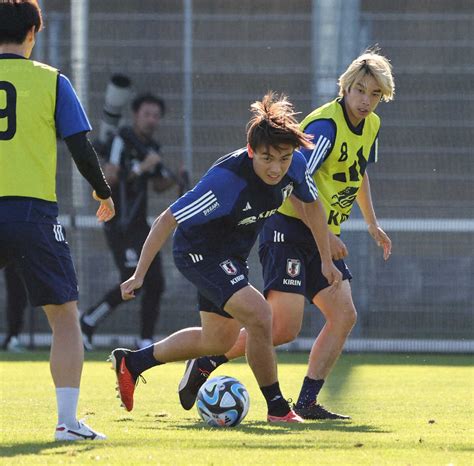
x=82 y=432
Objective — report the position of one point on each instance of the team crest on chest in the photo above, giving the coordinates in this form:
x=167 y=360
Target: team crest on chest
x=286 y=191
x=228 y=267
x=293 y=267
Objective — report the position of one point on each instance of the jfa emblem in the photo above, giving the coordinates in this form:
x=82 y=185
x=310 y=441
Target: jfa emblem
x=293 y=267
x=228 y=267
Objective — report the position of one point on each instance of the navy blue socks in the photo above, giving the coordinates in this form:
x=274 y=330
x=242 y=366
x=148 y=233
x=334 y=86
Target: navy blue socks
x=209 y=363
x=277 y=405
x=309 y=392
x=141 y=360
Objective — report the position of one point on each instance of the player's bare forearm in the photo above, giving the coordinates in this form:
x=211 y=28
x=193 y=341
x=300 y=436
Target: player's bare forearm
x=364 y=200
x=159 y=233
x=316 y=221
x=161 y=229
x=299 y=208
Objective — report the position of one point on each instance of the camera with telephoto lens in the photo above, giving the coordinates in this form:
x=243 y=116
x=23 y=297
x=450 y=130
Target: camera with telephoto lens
x=117 y=95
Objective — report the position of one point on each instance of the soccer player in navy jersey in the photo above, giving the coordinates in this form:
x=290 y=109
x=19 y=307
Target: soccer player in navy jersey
x=217 y=224
x=345 y=132
x=36 y=102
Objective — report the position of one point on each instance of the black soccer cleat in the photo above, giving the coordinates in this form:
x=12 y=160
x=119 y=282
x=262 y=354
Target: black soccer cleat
x=87 y=333
x=192 y=380
x=316 y=411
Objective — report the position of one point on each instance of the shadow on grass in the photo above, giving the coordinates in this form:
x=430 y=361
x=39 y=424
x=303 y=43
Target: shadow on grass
x=264 y=428
x=260 y=428
x=64 y=449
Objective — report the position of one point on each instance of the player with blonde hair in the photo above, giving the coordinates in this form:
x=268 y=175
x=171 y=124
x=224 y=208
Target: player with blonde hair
x=345 y=133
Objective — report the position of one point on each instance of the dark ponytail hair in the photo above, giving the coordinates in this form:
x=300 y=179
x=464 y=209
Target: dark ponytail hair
x=274 y=124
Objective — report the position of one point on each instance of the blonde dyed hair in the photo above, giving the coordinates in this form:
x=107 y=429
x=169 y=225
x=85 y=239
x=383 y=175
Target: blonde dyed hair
x=373 y=64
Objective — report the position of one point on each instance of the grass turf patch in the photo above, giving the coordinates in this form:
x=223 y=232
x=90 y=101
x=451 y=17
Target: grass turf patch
x=406 y=409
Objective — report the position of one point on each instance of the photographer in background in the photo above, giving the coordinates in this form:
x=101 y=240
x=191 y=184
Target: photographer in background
x=134 y=159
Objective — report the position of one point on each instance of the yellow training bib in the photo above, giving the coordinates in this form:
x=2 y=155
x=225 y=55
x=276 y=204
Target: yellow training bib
x=27 y=129
x=340 y=176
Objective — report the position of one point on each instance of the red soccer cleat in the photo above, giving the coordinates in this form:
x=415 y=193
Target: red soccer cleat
x=290 y=417
x=126 y=381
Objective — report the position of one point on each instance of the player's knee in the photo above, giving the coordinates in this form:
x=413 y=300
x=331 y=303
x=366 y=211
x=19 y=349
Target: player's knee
x=284 y=334
x=282 y=338
x=65 y=324
x=62 y=316
x=353 y=317
x=260 y=320
x=350 y=318
x=343 y=320
x=347 y=319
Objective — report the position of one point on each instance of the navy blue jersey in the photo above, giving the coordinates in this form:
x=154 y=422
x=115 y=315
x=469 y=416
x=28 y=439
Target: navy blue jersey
x=226 y=210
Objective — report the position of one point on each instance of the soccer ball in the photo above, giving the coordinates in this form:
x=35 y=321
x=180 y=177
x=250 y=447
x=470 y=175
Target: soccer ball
x=223 y=402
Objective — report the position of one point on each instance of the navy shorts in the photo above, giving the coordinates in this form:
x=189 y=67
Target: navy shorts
x=216 y=278
x=41 y=255
x=295 y=268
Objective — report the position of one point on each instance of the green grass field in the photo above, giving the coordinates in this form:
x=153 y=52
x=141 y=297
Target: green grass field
x=406 y=409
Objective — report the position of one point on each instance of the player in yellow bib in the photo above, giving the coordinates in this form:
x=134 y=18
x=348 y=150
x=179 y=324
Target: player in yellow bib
x=340 y=159
x=345 y=135
x=36 y=103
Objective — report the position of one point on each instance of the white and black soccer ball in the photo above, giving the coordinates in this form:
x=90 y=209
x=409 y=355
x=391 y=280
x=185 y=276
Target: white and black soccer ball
x=223 y=402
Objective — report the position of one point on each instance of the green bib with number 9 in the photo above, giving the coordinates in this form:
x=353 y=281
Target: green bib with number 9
x=27 y=129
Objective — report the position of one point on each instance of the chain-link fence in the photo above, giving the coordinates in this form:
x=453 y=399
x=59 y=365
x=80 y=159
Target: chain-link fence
x=209 y=60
